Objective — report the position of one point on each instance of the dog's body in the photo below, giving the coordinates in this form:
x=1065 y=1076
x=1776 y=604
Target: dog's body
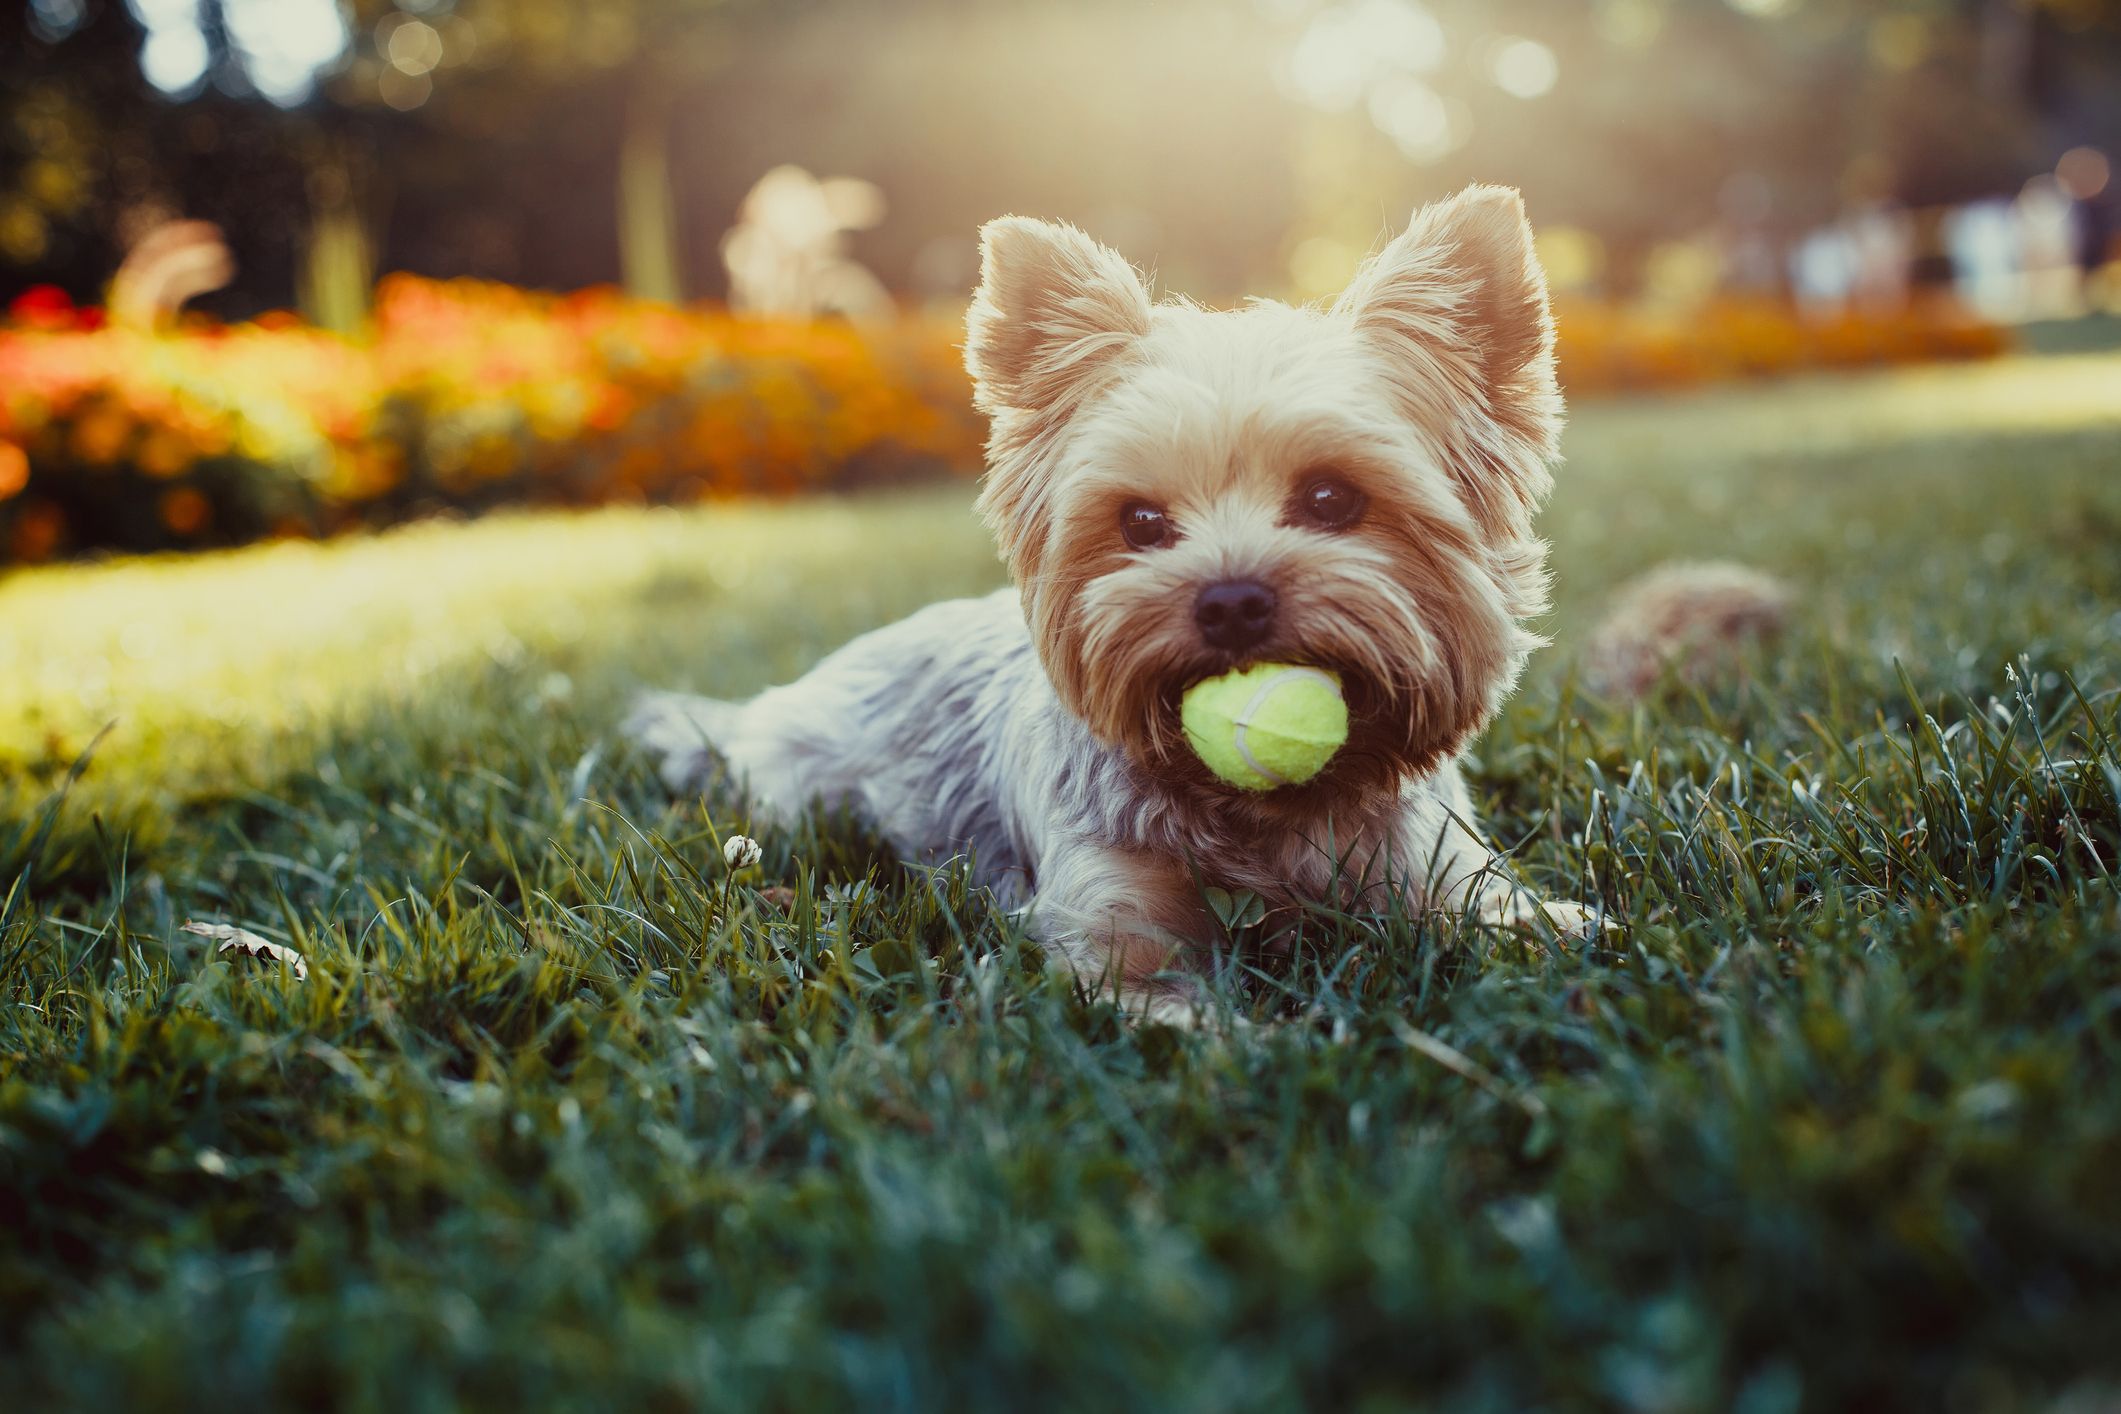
x=1180 y=492
x=943 y=731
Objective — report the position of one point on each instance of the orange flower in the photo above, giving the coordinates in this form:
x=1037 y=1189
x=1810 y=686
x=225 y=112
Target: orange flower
x=101 y=434
x=184 y=510
x=162 y=454
x=39 y=527
x=14 y=469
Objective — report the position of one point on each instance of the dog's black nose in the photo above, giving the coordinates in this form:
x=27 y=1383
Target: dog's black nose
x=1234 y=615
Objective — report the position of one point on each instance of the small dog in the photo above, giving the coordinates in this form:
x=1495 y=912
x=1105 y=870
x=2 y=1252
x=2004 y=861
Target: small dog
x=1178 y=492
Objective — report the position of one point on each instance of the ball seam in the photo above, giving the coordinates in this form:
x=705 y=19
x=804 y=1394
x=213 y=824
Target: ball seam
x=1260 y=694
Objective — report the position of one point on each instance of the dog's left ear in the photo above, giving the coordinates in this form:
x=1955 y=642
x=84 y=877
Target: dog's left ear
x=1463 y=287
x=1054 y=312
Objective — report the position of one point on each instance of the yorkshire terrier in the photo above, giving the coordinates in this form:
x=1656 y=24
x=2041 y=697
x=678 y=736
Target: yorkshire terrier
x=1178 y=492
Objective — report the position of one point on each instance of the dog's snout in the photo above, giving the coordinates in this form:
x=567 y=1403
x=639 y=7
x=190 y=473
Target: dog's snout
x=1234 y=615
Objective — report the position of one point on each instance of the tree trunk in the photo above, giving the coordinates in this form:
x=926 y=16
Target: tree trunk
x=338 y=265
x=648 y=247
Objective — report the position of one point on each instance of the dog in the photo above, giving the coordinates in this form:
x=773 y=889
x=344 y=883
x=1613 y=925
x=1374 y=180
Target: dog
x=1178 y=492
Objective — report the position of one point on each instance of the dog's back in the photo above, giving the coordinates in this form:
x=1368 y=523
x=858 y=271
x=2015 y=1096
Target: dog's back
x=903 y=726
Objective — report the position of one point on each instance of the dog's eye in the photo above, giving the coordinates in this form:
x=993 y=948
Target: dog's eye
x=1144 y=526
x=1330 y=503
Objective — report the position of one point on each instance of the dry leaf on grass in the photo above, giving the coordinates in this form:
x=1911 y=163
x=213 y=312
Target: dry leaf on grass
x=1695 y=618
x=245 y=941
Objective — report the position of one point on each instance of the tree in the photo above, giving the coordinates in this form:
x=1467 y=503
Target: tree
x=617 y=66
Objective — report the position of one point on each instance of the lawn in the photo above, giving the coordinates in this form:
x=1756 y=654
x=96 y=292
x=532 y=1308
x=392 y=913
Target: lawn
x=564 y=1113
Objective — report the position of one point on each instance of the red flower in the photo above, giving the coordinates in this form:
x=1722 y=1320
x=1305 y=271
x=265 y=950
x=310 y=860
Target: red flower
x=43 y=307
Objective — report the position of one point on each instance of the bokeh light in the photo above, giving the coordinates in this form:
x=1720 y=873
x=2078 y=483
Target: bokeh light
x=175 y=55
x=2083 y=173
x=282 y=44
x=285 y=44
x=411 y=45
x=1347 y=48
x=53 y=20
x=1524 y=67
x=402 y=90
x=1572 y=256
x=1414 y=116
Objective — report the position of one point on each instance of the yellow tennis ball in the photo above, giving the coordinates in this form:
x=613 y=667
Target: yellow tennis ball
x=1276 y=724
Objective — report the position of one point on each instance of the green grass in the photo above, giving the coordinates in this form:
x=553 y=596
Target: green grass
x=564 y=1115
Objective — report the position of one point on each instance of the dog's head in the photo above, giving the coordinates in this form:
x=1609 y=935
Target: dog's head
x=1179 y=491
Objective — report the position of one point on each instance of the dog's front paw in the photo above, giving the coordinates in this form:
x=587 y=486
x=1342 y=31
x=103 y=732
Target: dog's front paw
x=1183 y=1009
x=1573 y=922
x=1563 y=920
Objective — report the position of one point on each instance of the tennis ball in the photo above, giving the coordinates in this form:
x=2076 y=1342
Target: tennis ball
x=1276 y=724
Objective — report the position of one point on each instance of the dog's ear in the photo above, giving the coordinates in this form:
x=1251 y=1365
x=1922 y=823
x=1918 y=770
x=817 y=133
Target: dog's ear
x=1463 y=286
x=1054 y=311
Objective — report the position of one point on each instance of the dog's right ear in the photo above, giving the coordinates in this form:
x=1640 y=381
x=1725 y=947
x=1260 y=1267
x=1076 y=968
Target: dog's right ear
x=1054 y=312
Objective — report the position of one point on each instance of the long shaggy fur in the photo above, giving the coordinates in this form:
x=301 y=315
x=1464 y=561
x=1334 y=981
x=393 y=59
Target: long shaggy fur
x=1037 y=728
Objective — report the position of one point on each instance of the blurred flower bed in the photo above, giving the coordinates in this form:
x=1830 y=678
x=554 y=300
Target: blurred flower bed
x=1606 y=347
x=469 y=395
x=466 y=395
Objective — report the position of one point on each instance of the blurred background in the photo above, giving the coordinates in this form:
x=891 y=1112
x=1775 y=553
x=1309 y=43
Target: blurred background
x=289 y=266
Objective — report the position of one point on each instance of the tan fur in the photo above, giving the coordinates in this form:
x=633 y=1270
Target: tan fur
x=1429 y=385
